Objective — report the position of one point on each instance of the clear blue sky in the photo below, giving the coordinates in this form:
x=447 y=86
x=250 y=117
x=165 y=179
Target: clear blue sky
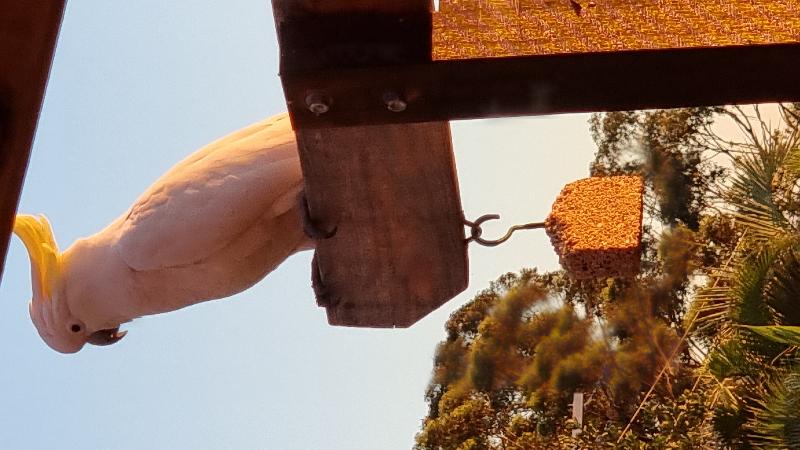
x=135 y=87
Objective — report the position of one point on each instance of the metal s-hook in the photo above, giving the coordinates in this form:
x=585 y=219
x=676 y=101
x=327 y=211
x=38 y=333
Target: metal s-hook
x=476 y=231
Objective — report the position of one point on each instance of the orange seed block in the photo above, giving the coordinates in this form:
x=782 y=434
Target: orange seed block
x=595 y=226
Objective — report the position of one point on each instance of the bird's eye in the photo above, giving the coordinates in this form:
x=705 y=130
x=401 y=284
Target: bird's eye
x=75 y=328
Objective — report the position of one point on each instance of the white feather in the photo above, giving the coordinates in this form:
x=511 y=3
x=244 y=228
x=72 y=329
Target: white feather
x=212 y=226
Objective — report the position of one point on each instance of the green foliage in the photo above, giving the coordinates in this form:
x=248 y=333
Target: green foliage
x=748 y=311
x=782 y=334
x=776 y=423
x=700 y=351
x=462 y=427
x=665 y=147
x=528 y=355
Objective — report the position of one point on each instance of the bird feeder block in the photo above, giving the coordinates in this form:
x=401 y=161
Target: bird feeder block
x=595 y=226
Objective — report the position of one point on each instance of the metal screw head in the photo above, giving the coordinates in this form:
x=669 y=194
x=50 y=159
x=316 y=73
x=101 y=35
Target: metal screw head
x=318 y=103
x=318 y=108
x=394 y=103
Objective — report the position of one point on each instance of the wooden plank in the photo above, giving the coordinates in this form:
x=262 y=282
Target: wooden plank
x=391 y=191
x=399 y=251
x=321 y=34
x=551 y=84
x=527 y=57
x=501 y=28
x=28 y=33
x=287 y=8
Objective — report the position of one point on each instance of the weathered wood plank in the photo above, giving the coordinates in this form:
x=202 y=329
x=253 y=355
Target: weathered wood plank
x=285 y=8
x=400 y=250
x=552 y=84
x=465 y=29
x=28 y=32
x=500 y=58
x=324 y=34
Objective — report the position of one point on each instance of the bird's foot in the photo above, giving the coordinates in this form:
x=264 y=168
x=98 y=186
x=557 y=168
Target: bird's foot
x=310 y=226
x=322 y=292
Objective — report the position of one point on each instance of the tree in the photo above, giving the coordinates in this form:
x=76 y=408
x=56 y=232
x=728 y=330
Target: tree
x=753 y=372
x=667 y=148
x=505 y=374
x=666 y=360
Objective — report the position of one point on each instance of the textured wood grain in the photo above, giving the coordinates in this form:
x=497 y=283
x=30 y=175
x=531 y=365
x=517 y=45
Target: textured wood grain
x=326 y=34
x=499 y=28
x=400 y=250
x=28 y=32
x=284 y=8
x=501 y=58
x=552 y=84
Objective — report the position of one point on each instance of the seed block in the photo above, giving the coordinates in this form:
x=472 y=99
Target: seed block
x=595 y=226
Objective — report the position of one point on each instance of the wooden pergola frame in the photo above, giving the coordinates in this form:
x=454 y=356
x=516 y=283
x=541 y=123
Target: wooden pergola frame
x=371 y=85
x=370 y=77
x=355 y=51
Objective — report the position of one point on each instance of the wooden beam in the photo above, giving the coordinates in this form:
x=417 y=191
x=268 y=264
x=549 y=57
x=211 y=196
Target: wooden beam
x=503 y=58
x=391 y=190
x=328 y=34
x=468 y=29
x=400 y=250
x=28 y=33
x=287 y=8
x=550 y=84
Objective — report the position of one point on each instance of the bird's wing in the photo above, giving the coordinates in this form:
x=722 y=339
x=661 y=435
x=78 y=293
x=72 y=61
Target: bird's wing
x=205 y=201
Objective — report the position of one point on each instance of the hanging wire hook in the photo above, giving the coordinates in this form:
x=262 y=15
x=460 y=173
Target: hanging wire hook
x=476 y=231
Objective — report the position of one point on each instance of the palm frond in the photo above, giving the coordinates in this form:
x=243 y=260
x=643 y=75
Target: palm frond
x=750 y=193
x=792 y=162
x=782 y=290
x=778 y=333
x=749 y=307
x=776 y=422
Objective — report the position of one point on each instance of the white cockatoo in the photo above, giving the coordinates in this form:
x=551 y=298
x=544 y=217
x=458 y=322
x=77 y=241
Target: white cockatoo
x=212 y=226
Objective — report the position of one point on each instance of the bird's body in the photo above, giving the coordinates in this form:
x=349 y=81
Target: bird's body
x=212 y=226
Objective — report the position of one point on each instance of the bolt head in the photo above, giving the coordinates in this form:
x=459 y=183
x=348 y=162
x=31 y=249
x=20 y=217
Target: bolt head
x=396 y=105
x=393 y=102
x=318 y=103
x=318 y=108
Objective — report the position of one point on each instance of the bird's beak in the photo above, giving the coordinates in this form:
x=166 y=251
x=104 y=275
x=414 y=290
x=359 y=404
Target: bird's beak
x=106 y=337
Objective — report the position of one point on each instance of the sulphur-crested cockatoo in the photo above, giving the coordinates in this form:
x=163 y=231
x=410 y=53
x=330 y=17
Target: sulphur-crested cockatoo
x=212 y=226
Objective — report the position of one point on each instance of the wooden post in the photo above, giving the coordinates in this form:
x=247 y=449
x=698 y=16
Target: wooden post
x=391 y=191
x=28 y=32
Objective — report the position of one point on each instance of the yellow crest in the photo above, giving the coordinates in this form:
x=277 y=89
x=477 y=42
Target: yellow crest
x=37 y=235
